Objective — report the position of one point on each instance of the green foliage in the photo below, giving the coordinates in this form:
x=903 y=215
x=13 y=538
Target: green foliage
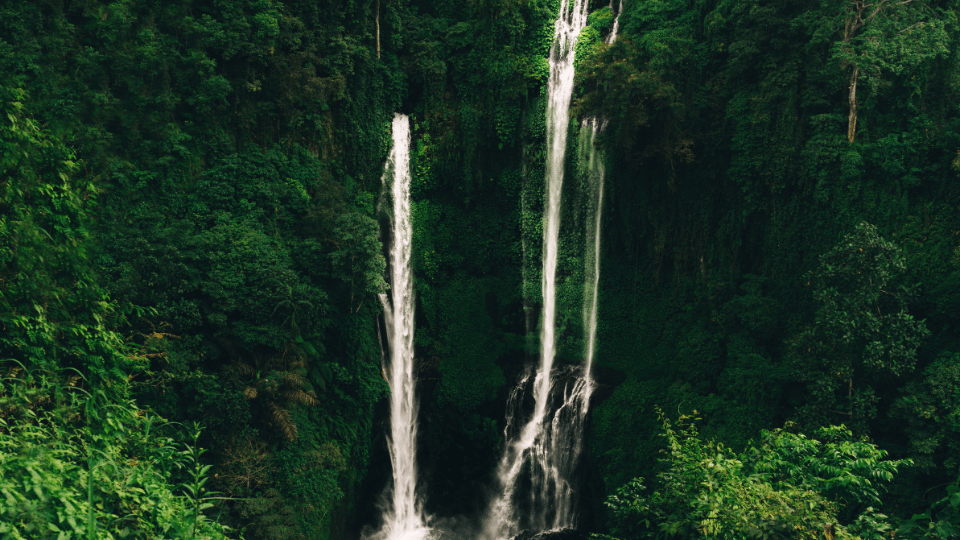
x=51 y=309
x=87 y=466
x=889 y=38
x=931 y=406
x=468 y=348
x=833 y=463
x=472 y=68
x=862 y=328
x=229 y=170
x=940 y=521
x=635 y=74
x=601 y=19
x=629 y=339
x=787 y=486
x=727 y=125
x=216 y=163
x=77 y=461
x=358 y=259
x=310 y=472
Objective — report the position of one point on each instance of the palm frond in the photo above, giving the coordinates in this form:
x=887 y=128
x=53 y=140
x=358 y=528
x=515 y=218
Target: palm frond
x=308 y=398
x=293 y=380
x=283 y=421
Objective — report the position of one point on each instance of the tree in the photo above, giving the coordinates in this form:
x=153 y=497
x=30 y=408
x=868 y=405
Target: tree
x=68 y=432
x=885 y=35
x=862 y=329
x=358 y=259
x=52 y=313
x=786 y=486
x=931 y=408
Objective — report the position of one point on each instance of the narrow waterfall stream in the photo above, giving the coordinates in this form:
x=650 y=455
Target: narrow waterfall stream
x=593 y=170
x=595 y=173
x=403 y=518
x=616 y=24
x=542 y=445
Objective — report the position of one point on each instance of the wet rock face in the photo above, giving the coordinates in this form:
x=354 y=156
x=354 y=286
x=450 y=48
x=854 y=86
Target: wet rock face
x=557 y=534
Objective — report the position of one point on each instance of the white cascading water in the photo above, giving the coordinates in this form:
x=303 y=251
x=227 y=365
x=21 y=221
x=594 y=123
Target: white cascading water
x=595 y=173
x=616 y=24
x=593 y=170
x=403 y=517
x=559 y=91
x=543 y=445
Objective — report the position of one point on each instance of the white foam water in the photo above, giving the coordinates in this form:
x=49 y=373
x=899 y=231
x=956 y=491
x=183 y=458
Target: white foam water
x=403 y=515
x=543 y=437
x=616 y=24
x=593 y=170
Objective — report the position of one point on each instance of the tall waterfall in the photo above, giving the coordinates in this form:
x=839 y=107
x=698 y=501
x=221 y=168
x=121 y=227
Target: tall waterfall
x=403 y=518
x=543 y=444
x=595 y=173
x=593 y=170
x=559 y=91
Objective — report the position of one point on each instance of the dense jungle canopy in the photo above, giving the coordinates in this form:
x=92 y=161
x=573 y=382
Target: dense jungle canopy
x=191 y=253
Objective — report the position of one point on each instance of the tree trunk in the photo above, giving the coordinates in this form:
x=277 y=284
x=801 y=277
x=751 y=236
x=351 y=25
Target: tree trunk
x=378 y=28
x=852 y=122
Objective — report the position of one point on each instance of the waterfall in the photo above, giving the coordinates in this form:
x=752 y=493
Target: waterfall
x=616 y=24
x=403 y=516
x=595 y=173
x=542 y=491
x=559 y=91
x=593 y=170
x=544 y=444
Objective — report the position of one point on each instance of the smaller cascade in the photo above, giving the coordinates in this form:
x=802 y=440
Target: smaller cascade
x=595 y=173
x=593 y=170
x=403 y=516
x=616 y=24
x=543 y=494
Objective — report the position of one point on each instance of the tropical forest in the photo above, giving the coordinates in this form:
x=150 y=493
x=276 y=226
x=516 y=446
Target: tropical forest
x=479 y=269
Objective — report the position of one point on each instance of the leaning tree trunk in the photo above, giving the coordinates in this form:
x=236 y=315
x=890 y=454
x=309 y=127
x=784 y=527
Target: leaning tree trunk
x=852 y=121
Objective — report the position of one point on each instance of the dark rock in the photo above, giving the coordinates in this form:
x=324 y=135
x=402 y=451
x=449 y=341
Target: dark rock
x=556 y=534
x=605 y=381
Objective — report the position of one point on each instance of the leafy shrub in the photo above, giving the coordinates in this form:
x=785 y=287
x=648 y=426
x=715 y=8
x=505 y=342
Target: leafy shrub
x=83 y=466
x=787 y=486
x=940 y=521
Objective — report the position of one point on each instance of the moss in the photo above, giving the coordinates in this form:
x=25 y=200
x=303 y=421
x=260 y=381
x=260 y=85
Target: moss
x=601 y=19
x=469 y=345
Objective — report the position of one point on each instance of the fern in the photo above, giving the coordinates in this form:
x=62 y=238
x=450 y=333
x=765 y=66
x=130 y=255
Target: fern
x=283 y=421
x=299 y=396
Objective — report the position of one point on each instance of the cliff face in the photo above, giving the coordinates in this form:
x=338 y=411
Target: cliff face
x=237 y=148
